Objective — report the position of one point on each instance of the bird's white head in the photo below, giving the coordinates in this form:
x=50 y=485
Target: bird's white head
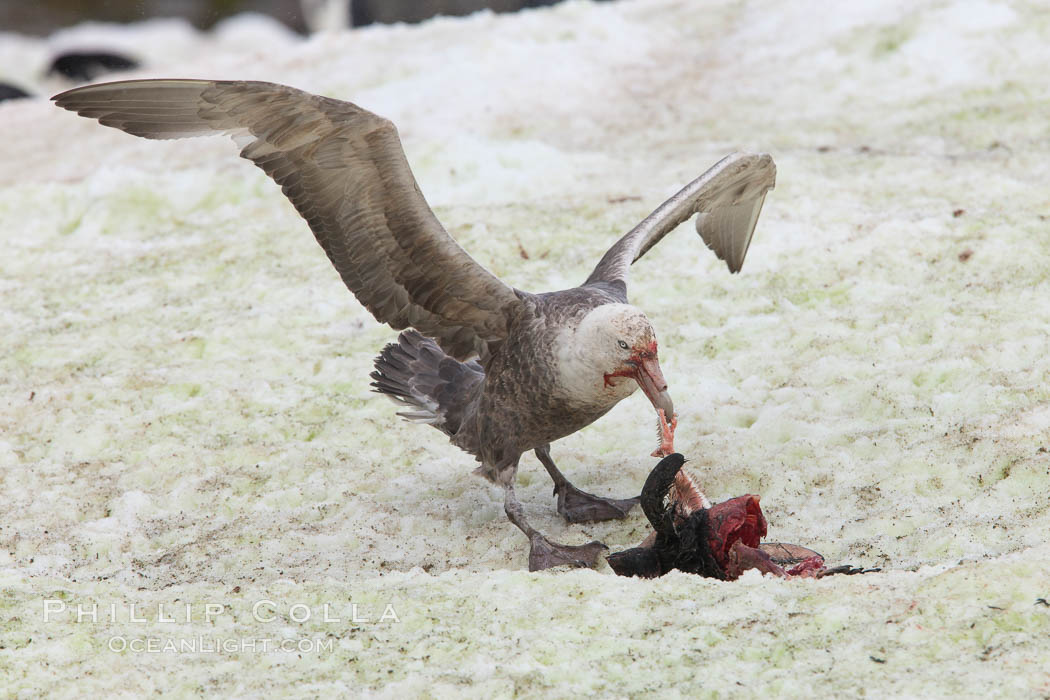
x=614 y=344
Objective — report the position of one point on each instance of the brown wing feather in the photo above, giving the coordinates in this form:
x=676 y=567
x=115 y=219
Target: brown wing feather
x=345 y=172
x=728 y=198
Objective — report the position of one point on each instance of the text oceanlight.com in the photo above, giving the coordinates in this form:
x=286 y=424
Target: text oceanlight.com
x=218 y=645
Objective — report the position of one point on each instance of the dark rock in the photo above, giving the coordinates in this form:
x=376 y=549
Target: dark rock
x=88 y=65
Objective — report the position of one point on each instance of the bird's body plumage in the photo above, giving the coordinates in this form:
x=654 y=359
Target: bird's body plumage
x=499 y=370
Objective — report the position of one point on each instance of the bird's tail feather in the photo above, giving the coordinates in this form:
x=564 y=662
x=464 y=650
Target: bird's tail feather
x=437 y=389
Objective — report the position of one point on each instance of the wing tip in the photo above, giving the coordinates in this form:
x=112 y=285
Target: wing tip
x=756 y=162
x=81 y=90
x=62 y=99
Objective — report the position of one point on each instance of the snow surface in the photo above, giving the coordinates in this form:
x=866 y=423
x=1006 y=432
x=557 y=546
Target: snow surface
x=185 y=416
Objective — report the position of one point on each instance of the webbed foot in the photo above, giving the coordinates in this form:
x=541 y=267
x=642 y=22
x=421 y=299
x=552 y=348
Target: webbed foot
x=543 y=554
x=578 y=506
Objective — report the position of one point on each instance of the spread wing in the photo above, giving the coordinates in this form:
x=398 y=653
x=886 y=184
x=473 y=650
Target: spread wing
x=345 y=171
x=728 y=199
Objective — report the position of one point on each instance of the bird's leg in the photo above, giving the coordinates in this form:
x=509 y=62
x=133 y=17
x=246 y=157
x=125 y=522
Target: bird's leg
x=543 y=553
x=666 y=430
x=578 y=506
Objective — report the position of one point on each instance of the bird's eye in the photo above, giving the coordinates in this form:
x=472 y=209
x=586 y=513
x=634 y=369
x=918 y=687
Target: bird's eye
x=622 y=344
